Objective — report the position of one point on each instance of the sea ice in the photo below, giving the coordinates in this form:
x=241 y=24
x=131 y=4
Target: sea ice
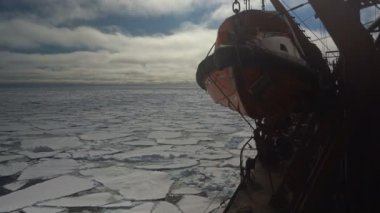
x=102 y=135
x=15 y=185
x=165 y=207
x=164 y=135
x=42 y=210
x=194 y=204
x=88 y=200
x=143 y=208
x=12 y=168
x=55 y=143
x=92 y=154
x=168 y=164
x=10 y=157
x=233 y=162
x=51 y=189
x=213 y=155
x=36 y=155
x=133 y=184
x=49 y=168
x=182 y=141
x=149 y=154
x=186 y=191
x=141 y=143
x=119 y=204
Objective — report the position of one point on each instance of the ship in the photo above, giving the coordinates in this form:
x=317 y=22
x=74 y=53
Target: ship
x=316 y=118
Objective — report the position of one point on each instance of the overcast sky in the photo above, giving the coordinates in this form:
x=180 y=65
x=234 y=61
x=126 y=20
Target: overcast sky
x=109 y=41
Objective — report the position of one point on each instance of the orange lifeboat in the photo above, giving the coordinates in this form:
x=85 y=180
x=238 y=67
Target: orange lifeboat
x=256 y=67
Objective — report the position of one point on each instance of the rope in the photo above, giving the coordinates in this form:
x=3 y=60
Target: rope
x=307 y=27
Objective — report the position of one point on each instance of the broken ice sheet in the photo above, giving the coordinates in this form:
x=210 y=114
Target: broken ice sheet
x=195 y=204
x=133 y=184
x=167 y=164
x=179 y=141
x=164 y=134
x=51 y=189
x=42 y=210
x=143 y=208
x=49 y=168
x=15 y=185
x=35 y=155
x=119 y=204
x=88 y=200
x=12 y=168
x=165 y=207
x=149 y=154
x=102 y=135
x=55 y=143
x=10 y=157
x=186 y=190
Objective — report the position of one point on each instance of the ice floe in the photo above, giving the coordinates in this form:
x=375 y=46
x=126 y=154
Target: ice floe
x=141 y=143
x=42 y=210
x=55 y=143
x=49 y=168
x=88 y=200
x=10 y=157
x=119 y=204
x=195 y=204
x=51 y=189
x=102 y=135
x=15 y=185
x=143 y=208
x=164 y=134
x=12 y=168
x=179 y=141
x=186 y=191
x=165 y=207
x=36 y=155
x=149 y=154
x=133 y=184
x=167 y=164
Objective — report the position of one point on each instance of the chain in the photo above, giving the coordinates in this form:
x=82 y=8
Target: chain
x=236 y=6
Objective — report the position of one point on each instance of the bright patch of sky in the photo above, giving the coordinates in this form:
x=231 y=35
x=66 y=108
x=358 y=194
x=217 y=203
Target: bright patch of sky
x=111 y=41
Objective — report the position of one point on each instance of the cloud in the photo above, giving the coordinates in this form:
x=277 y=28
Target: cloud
x=106 y=57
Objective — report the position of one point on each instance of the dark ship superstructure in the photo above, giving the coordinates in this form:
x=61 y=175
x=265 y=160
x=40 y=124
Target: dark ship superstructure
x=316 y=123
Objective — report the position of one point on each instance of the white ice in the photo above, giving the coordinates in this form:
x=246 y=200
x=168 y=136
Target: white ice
x=119 y=204
x=179 y=141
x=88 y=200
x=141 y=143
x=10 y=157
x=165 y=207
x=149 y=154
x=133 y=184
x=55 y=143
x=186 y=191
x=36 y=155
x=195 y=204
x=164 y=134
x=42 y=210
x=51 y=189
x=167 y=164
x=143 y=208
x=15 y=185
x=12 y=168
x=102 y=135
x=49 y=168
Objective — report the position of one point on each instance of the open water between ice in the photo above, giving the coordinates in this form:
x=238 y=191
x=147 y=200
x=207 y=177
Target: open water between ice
x=116 y=149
